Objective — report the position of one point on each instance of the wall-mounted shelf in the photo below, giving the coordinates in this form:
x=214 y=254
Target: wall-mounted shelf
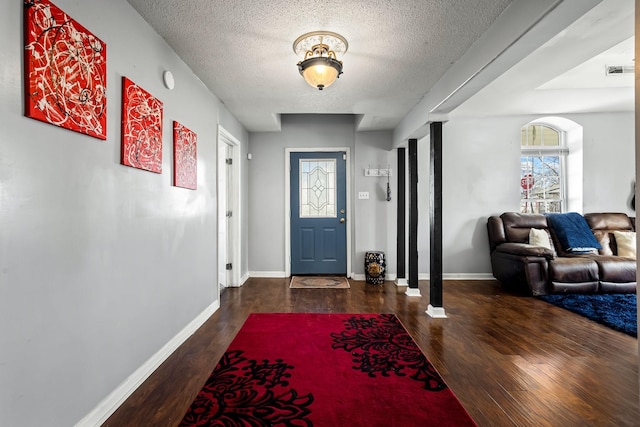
x=378 y=172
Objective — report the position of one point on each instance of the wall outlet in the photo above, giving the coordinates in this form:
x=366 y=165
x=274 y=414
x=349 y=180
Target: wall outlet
x=363 y=195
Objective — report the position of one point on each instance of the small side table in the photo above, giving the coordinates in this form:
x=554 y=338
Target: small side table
x=374 y=267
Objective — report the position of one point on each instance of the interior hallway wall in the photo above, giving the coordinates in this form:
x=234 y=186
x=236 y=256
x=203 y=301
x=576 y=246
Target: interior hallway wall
x=267 y=181
x=101 y=265
x=372 y=221
x=375 y=218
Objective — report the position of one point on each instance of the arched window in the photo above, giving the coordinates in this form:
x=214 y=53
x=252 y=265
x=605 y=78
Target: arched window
x=542 y=169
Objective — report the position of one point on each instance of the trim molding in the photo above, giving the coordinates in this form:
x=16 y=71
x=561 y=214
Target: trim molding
x=233 y=233
x=461 y=276
x=391 y=277
x=363 y=277
x=244 y=278
x=436 y=312
x=110 y=404
x=268 y=274
x=413 y=292
x=287 y=199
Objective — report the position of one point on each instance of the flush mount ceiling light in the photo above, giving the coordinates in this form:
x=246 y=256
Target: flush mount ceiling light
x=319 y=66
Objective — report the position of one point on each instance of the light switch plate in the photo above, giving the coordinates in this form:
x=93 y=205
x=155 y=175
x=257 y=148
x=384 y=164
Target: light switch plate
x=363 y=195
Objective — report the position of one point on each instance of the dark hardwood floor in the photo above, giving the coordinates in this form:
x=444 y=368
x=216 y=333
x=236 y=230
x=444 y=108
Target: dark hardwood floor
x=511 y=360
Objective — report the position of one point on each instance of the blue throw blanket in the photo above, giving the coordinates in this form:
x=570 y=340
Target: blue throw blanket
x=573 y=232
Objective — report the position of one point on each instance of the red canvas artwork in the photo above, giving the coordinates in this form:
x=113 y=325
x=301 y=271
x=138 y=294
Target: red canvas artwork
x=185 y=159
x=141 y=128
x=65 y=71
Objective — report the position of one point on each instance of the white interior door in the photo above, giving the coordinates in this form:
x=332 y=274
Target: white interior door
x=230 y=216
x=229 y=243
x=222 y=216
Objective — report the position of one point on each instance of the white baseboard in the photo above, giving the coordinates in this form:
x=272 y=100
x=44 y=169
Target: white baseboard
x=363 y=277
x=111 y=403
x=459 y=276
x=244 y=278
x=268 y=274
x=468 y=276
x=391 y=277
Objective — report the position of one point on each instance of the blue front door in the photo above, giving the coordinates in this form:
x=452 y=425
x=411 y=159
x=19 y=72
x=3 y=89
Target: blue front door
x=318 y=213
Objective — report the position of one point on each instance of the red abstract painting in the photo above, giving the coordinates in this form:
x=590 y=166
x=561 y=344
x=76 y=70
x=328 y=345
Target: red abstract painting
x=185 y=158
x=65 y=71
x=141 y=128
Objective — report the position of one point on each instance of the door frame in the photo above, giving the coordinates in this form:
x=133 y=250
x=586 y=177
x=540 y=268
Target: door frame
x=287 y=201
x=226 y=139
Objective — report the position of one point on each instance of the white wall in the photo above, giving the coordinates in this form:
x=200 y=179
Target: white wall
x=100 y=264
x=372 y=221
x=375 y=218
x=481 y=174
x=609 y=161
x=267 y=181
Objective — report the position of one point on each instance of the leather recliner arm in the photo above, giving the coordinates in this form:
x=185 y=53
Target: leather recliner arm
x=525 y=250
x=520 y=264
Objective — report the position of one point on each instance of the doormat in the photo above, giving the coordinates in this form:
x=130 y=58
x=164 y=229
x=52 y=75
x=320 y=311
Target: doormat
x=319 y=282
x=319 y=369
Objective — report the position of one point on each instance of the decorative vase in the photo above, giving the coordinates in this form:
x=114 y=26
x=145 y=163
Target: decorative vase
x=374 y=267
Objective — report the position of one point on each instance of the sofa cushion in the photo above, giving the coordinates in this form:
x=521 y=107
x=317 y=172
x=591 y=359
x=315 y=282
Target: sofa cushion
x=573 y=274
x=615 y=269
x=579 y=269
x=517 y=225
x=618 y=288
x=625 y=243
x=603 y=224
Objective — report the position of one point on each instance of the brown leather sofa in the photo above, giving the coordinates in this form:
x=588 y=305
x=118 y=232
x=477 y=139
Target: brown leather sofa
x=537 y=270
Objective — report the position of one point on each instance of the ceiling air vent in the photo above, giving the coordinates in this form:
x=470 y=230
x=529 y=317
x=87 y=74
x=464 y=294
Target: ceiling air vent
x=615 y=70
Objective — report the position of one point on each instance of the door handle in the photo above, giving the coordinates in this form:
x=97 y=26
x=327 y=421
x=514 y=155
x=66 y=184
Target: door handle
x=341 y=220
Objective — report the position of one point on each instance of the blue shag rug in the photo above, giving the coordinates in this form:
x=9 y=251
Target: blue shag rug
x=617 y=311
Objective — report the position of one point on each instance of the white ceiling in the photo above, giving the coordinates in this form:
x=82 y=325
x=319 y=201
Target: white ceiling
x=242 y=51
x=567 y=74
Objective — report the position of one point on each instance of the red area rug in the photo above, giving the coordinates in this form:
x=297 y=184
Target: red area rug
x=325 y=370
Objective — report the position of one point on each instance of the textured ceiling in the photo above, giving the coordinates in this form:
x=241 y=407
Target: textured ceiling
x=242 y=51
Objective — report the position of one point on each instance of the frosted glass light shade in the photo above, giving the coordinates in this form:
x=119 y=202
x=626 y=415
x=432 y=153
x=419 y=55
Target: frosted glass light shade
x=320 y=72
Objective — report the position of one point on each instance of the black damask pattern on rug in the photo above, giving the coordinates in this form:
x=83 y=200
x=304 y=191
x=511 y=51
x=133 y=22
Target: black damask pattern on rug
x=381 y=346
x=244 y=392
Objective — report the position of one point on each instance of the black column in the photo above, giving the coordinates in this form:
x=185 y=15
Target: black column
x=413 y=213
x=435 y=215
x=402 y=213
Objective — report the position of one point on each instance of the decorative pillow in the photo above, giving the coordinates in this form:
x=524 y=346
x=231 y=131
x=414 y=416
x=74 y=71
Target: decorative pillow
x=626 y=243
x=539 y=237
